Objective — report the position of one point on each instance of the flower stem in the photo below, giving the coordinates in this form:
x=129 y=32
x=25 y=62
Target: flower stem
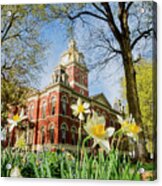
x=114 y=137
x=79 y=139
x=118 y=142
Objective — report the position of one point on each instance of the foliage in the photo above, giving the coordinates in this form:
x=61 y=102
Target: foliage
x=59 y=165
x=116 y=32
x=108 y=162
x=21 y=52
x=144 y=86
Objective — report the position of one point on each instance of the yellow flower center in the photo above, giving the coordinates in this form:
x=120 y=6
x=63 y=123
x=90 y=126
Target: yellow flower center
x=98 y=130
x=20 y=143
x=125 y=125
x=16 y=117
x=135 y=129
x=80 y=108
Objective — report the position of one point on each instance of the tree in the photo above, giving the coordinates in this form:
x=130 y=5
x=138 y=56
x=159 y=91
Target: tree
x=121 y=38
x=144 y=76
x=21 y=51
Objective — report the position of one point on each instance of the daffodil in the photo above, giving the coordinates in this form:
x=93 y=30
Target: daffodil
x=129 y=127
x=95 y=127
x=20 y=143
x=80 y=109
x=16 y=119
x=124 y=123
x=133 y=130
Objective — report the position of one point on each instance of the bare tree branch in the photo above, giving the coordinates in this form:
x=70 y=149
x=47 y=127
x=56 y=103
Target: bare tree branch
x=5 y=32
x=143 y=34
x=104 y=62
x=129 y=5
x=112 y=49
x=4 y=67
x=86 y=13
x=111 y=21
x=11 y=37
x=99 y=9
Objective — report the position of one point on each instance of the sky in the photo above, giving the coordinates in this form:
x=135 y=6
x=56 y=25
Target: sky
x=106 y=81
x=98 y=82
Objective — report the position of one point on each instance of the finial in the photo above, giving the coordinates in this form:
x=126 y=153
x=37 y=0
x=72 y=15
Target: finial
x=72 y=44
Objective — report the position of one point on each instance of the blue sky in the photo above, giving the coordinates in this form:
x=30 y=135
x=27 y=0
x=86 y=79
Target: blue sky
x=56 y=35
x=106 y=81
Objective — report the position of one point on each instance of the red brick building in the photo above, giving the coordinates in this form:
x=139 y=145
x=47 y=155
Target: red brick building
x=49 y=109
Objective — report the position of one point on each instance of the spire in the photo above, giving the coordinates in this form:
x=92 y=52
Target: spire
x=72 y=54
x=72 y=44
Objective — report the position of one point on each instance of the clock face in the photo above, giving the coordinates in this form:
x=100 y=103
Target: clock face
x=65 y=59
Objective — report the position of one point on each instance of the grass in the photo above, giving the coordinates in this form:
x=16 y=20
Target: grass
x=114 y=166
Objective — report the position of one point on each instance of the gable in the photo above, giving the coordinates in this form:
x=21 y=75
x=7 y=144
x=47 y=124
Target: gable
x=102 y=99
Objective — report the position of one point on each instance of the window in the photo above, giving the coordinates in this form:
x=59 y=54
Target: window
x=73 y=135
x=30 y=137
x=32 y=112
x=53 y=102
x=64 y=105
x=63 y=133
x=44 y=110
x=82 y=91
x=42 y=135
x=51 y=134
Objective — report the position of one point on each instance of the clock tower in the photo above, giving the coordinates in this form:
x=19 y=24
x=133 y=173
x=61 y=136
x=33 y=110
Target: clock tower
x=76 y=69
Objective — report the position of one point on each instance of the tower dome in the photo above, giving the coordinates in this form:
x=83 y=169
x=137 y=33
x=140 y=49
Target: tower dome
x=72 y=55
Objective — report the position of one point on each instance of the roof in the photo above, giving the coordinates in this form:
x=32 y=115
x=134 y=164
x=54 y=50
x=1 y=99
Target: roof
x=101 y=99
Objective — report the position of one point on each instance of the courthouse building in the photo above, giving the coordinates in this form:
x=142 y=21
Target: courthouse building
x=50 y=109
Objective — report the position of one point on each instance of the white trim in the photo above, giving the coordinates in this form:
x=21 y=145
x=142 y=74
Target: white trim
x=33 y=98
x=79 y=85
x=51 y=125
x=46 y=92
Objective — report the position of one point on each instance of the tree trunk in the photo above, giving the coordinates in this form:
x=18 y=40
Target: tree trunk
x=132 y=95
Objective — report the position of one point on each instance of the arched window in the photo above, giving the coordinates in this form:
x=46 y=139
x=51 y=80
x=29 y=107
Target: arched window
x=53 y=104
x=73 y=135
x=64 y=105
x=82 y=91
x=64 y=129
x=51 y=134
x=81 y=79
x=30 y=136
x=42 y=135
x=44 y=110
x=31 y=112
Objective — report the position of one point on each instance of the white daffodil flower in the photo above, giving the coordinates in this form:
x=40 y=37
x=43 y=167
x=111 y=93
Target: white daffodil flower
x=129 y=127
x=16 y=119
x=124 y=123
x=95 y=127
x=80 y=109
